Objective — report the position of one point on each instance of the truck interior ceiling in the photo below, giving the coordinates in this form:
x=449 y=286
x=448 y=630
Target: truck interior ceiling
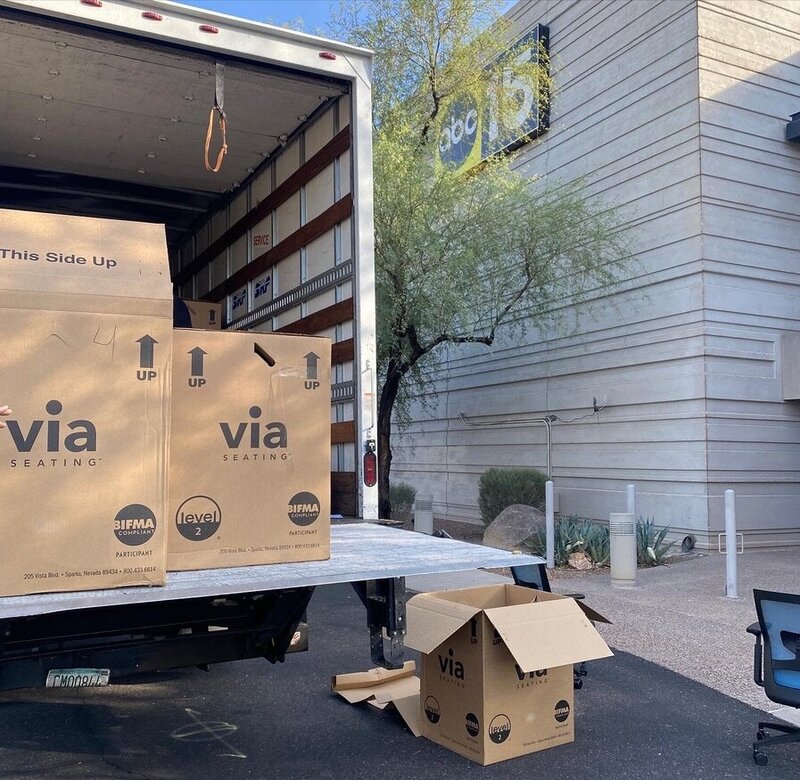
x=107 y=125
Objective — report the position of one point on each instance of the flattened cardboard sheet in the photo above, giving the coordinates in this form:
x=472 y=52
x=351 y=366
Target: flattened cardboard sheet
x=382 y=688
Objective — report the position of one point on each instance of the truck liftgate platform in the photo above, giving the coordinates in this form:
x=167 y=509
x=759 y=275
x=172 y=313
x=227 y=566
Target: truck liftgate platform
x=211 y=616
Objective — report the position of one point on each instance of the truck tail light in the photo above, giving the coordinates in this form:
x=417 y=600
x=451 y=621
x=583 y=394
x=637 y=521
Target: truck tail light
x=370 y=464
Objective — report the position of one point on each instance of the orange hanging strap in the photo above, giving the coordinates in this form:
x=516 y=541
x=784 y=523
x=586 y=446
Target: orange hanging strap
x=219 y=102
x=209 y=135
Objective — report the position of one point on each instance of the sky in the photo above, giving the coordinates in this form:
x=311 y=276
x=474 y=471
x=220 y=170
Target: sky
x=314 y=13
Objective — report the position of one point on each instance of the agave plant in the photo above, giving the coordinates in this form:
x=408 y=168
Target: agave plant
x=651 y=547
x=573 y=535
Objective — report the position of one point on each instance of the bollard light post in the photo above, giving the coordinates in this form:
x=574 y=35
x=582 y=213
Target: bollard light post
x=731 y=574
x=550 y=524
x=622 y=539
x=631 y=493
x=423 y=514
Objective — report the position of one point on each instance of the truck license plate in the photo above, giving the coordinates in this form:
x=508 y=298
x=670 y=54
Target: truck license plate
x=77 y=678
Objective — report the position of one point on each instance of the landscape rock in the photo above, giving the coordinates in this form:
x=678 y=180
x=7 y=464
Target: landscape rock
x=513 y=526
x=580 y=561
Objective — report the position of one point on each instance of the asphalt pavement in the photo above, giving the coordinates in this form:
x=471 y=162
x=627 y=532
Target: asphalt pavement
x=634 y=719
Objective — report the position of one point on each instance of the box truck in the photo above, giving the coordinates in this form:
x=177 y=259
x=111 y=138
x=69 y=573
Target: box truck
x=251 y=145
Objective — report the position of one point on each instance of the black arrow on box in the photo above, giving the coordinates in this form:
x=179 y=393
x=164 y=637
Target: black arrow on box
x=197 y=361
x=146 y=351
x=311 y=365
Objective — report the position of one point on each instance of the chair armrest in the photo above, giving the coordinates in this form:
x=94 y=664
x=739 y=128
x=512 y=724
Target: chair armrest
x=758 y=673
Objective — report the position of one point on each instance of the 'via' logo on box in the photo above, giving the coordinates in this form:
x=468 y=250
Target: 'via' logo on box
x=83 y=436
x=273 y=435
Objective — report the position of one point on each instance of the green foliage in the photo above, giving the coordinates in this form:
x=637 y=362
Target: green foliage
x=573 y=534
x=651 y=549
x=501 y=488
x=458 y=256
x=401 y=497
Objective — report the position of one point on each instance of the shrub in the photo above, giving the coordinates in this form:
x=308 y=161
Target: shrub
x=401 y=499
x=651 y=549
x=573 y=535
x=501 y=488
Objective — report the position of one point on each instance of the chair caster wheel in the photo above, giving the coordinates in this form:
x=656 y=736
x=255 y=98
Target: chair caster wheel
x=761 y=734
x=760 y=757
x=577 y=683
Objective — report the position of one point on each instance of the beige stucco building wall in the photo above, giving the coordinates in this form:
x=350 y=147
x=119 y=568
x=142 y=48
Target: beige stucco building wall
x=676 y=111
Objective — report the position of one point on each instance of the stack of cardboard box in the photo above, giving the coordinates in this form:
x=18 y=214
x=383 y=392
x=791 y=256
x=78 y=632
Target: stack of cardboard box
x=133 y=447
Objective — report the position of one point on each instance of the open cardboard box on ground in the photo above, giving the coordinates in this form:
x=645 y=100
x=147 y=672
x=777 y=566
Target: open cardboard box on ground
x=249 y=463
x=86 y=318
x=496 y=667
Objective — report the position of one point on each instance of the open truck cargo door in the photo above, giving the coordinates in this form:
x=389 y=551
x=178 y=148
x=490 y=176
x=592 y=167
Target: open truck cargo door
x=107 y=111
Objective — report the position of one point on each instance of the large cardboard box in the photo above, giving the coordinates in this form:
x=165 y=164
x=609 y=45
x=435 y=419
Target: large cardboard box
x=496 y=669
x=249 y=469
x=86 y=318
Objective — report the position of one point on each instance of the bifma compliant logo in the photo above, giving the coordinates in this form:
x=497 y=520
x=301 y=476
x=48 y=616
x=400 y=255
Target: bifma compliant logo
x=134 y=524
x=561 y=711
x=303 y=508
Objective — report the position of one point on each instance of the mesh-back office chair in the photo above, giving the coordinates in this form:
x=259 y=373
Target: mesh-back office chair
x=776 y=667
x=535 y=576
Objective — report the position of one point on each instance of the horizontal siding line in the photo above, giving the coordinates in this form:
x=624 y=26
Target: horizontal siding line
x=731 y=268
x=752 y=185
x=667 y=211
x=779 y=150
x=728 y=53
x=627 y=44
x=674 y=185
x=608 y=353
x=755 y=79
x=646 y=150
x=754 y=320
x=575 y=26
x=629 y=87
x=620 y=138
x=750 y=209
x=646 y=168
x=746 y=241
x=738 y=107
x=655 y=324
x=748 y=19
x=722 y=48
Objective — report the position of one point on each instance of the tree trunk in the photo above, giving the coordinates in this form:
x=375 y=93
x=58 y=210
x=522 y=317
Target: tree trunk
x=385 y=407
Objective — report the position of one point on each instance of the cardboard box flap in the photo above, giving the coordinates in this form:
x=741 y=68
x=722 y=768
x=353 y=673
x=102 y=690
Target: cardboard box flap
x=382 y=688
x=431 y=620
x=542 y=595
x=592 y=614
x=548 y=633
x=55 y=254
x=371 y=680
